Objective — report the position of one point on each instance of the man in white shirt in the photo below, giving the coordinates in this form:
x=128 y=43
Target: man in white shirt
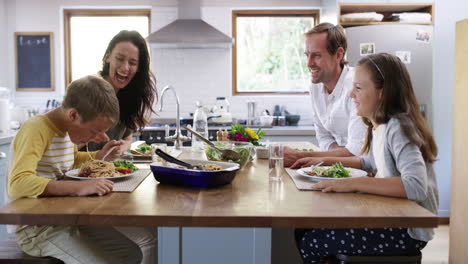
x=339 y=131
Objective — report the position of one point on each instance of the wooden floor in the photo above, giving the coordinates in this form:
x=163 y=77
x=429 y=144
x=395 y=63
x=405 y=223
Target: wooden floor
x=436 y=251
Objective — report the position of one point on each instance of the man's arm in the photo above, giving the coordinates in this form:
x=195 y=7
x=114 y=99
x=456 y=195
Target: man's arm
x=291 y=155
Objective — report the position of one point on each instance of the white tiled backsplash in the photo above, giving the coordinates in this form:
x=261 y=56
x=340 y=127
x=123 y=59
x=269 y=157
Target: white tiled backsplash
x=204 y=74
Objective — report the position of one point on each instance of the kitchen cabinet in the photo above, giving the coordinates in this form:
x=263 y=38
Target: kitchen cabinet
x=226 y=245
x=459 y=206
x=157 y=135
x=386 y=9
x=4 y=148
x=197 y=245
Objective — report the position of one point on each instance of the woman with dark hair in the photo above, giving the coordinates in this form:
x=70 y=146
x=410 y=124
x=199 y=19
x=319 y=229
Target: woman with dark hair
x=399 y=151
x=126 y=65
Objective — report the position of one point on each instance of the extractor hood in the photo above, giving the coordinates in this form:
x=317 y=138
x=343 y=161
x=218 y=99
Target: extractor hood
x=189 y=31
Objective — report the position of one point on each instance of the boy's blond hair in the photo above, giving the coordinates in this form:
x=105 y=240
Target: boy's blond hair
x=93 y=97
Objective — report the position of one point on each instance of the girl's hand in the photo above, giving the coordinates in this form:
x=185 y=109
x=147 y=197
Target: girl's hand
x=97 y=186
x=305 y=162
x=343 y=185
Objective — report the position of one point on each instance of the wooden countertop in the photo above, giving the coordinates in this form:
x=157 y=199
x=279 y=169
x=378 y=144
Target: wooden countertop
x=249 y=201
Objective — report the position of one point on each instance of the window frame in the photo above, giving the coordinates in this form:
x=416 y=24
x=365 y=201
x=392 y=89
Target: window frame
x=315 y=13
x=69 y=13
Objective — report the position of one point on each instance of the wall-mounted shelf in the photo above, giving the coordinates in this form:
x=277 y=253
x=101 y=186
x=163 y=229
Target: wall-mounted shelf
x=386 y=10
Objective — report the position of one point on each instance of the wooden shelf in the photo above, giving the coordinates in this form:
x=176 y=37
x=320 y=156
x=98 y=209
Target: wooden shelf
x=386 y=10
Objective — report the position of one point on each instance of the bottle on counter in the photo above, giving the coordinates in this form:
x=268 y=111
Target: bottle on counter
x=200 y=125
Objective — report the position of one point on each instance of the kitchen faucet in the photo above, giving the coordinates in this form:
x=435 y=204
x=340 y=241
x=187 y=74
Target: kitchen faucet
x=177 y=138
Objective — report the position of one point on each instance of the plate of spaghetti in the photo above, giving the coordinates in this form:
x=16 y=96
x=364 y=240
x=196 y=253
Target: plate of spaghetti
x=98 y=169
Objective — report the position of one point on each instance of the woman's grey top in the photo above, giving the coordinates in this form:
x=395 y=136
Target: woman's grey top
x=405 y=160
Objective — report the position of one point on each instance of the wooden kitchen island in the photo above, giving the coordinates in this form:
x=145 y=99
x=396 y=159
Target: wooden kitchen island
x=249 y=201
x=243 y=212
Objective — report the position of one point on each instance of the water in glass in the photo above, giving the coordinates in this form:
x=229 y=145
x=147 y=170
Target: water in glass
x=275 y=162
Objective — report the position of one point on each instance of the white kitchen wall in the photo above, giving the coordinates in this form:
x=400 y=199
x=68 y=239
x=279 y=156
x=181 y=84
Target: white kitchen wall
x=46 y=16
x=207 y=73
x=3 y=46
x=204 y=74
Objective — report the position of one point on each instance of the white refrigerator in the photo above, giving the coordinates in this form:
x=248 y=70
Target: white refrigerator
x=412 y=43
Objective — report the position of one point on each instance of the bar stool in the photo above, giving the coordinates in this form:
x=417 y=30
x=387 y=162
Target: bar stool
x=344 y=259
x=11 y=253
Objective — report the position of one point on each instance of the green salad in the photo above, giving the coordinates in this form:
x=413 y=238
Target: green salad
x=216 y=155
x=335 y=171
x=143 y=149
x=125 y=164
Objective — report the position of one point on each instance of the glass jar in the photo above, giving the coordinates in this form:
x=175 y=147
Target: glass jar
x=281 y=121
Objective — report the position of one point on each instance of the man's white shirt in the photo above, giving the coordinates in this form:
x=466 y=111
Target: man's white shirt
x=334 y=115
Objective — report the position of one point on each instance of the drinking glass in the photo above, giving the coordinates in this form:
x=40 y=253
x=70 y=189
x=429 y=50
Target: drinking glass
x=275 y=161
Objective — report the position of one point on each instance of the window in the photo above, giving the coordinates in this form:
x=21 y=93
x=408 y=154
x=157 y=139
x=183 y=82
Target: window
x=88 y=32
x=268 y=55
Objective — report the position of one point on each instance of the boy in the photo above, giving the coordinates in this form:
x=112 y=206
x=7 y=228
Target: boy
x=44 y=149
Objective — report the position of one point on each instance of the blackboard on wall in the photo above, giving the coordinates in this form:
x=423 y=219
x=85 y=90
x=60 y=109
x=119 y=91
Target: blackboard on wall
x=34 y=61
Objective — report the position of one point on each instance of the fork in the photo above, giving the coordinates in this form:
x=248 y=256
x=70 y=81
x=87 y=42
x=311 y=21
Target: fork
x=316 y=165
x=108 y=152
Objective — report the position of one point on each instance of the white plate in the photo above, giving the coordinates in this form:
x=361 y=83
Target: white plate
x=74 y=175
x=129 y=154
x=354 y=173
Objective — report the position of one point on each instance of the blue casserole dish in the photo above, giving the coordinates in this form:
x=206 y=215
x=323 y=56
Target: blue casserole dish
x=196 y=178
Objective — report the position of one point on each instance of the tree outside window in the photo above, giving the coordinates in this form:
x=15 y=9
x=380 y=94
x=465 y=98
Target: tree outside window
x=89 y=31
x=268 y=56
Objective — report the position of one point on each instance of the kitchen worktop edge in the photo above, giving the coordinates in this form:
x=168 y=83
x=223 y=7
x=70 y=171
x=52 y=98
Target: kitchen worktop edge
x=270 y=131
x=7 y=137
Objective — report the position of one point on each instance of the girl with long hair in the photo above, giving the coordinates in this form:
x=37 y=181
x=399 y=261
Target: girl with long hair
x=398 y=153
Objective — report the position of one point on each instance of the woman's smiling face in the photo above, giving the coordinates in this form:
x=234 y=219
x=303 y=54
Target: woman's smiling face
x=123 y=64
x=365 y=95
